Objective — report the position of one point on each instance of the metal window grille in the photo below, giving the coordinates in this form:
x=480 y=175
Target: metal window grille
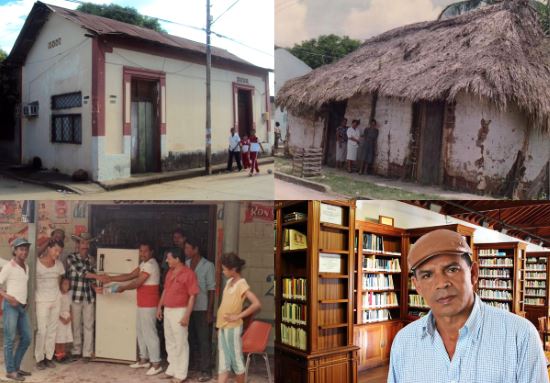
x=67 y=128
x=66 y=101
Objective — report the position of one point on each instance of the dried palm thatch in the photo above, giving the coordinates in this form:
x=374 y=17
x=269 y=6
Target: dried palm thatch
x=498 y=52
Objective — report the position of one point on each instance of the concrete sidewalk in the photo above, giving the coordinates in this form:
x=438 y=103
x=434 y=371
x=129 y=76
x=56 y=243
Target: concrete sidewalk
x=62 y=182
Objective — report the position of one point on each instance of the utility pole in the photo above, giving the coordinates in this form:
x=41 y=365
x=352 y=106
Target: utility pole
x=208 y=153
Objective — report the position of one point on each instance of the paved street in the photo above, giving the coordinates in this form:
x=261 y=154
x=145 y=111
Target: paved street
x=226 y=186
x=289 y=191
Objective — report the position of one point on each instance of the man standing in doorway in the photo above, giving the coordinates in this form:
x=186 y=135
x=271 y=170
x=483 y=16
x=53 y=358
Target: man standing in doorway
x=15 y=276
x=200 y=325
x=234 y=151
x=80 y=273
x=146 y=279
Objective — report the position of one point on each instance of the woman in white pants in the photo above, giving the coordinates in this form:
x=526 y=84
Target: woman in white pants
x=49 y=271
x=178 y=298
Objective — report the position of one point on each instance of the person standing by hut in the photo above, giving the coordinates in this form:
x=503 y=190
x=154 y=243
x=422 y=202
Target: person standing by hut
x=370 y=137
x=353 y=135
x=341 y=142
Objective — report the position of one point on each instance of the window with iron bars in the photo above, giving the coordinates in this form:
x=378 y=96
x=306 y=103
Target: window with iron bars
x=67 y=128
x=67 y=100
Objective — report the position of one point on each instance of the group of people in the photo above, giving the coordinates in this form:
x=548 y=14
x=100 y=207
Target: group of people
x=245 y=149
x=353 y=146
x=180 y=292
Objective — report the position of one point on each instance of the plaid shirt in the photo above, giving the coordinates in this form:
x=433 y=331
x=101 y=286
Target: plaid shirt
x=81 y=288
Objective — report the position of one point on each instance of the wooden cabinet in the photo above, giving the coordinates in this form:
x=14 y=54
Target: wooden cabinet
x=376 y=340
x=537 y=292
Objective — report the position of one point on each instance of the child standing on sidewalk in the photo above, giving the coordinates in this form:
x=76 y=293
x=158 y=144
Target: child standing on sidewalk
x=64 y=332
x=255 y=146
x=229 y=321
x=245 y=151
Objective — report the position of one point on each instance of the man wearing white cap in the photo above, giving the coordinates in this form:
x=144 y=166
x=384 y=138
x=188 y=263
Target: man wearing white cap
x=462 y=339
x=15 y=276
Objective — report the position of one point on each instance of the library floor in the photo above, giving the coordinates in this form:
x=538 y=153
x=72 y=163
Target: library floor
x=375 y=375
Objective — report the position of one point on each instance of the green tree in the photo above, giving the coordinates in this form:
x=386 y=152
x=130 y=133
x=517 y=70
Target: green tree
x=324 y=50
x=3 y=55
x=125 y=14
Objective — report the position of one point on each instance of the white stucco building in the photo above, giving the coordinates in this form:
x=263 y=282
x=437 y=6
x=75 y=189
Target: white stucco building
x=116 y=99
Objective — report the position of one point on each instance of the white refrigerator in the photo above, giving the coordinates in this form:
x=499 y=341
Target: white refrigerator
x=115 y=324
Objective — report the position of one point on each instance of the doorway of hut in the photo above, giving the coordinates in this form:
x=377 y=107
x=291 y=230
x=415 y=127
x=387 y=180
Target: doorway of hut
x=428 y=119
x=244 y=112
x=336 y=112
x=145 y=125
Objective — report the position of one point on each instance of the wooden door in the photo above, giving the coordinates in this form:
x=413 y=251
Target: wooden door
x=371 y=356
x=244 y=104
x=430 y=117
x=336 y=113
x=145 y=142
x=390 y=331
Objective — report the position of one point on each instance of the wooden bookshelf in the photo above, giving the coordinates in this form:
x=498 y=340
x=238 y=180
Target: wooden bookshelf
x=414 y=306
x=324 y=351
x=537 y=262
x=378 y=273
x=502 y=265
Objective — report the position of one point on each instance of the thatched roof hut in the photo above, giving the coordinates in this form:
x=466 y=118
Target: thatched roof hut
x=498 y=52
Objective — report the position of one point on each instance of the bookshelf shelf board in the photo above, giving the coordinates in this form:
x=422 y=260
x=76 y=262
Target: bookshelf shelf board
x=495 y=256
x=535 y=279
x=331 y=326
x=530 y=304
x=496 y=288
x=329 y=301
x=292 y=223
x=293 y=324
x=535 y=270
x=294 y=251
x=292 y=349
x=333 y=276
x=419 y=307
x=294 y=300
x=496 y=267
x=367 y=271
x=380 y=308
x=496 y=299
x=535 y=296
x=343 y=252
x=495 y=278
x=378 y=254
x=378 y=290
x=333 y=226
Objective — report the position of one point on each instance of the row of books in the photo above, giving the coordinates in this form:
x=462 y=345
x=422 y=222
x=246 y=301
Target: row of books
x=535 y=267
x=294 y=313
x=376 y=316
x=375 y=244
x=295 y=288
x=377 y=282
x=294 y=216
x=499 y=283
x=294 y=336
x=537 y=292
x=499 y=305
x=488 y=273
x=496 y=262
x=536 y=260
x=417 y=313
x=491 y=253
x=294 y=240
x=417 y=300
x=539 y=284
x=535 y=275
x=495 y=294
x=377 y=264
x=535 y=301
x=374 y=300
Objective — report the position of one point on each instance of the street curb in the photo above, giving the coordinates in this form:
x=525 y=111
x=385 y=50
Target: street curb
x=191 y=173
x=303 y=182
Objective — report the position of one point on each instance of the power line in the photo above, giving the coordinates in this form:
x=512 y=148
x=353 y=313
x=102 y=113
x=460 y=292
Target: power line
x=241 y=43
x=224 y=12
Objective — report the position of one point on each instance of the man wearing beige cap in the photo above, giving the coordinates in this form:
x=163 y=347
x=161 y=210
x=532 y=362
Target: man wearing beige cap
x=462 y=339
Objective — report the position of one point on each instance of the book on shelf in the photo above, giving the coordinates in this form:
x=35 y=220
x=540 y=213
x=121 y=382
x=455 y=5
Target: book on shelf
x=294 y=216
x=379 y=300
x=417 y=313
x=496 y=273
x=535 y=301
x=417 y=301
x=536 y=284
x=536 y=292
x=495 y=294
x=293 y=336
x=499 y=305
x=377 y=264
x=372 y=316
x=294 y=288
x=535 y=267
x=373 y=243
x=535 y=275
x=491 y=253
x=377 y=282
x=495 y=283
x=294 y=313
x=496 y=262
x=294 y=240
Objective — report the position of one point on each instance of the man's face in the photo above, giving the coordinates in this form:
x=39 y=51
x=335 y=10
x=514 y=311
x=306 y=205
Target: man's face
x=59 y=236
x=55 y=251
x=178 y=239
x=22 y=252
x=145 y=253
x=447 y=284
x=344 y=122
x=189 y=250
x=83 y=247
x=171 y=260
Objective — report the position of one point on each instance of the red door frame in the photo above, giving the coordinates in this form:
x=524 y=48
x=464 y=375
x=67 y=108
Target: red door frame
x=236 y=88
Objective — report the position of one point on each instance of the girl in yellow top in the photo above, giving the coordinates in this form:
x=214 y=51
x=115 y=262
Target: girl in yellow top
x=230 y=318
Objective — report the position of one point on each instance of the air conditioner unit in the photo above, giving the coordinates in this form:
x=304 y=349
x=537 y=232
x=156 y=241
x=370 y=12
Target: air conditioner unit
x=30 y=110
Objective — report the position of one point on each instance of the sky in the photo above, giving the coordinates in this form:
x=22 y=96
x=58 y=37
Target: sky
x=299 y=20
x=250 y=22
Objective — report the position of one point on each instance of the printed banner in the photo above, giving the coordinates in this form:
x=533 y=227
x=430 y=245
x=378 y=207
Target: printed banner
x=256 y=211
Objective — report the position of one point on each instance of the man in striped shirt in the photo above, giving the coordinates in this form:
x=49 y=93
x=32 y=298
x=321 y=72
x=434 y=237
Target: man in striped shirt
x=462 y=339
